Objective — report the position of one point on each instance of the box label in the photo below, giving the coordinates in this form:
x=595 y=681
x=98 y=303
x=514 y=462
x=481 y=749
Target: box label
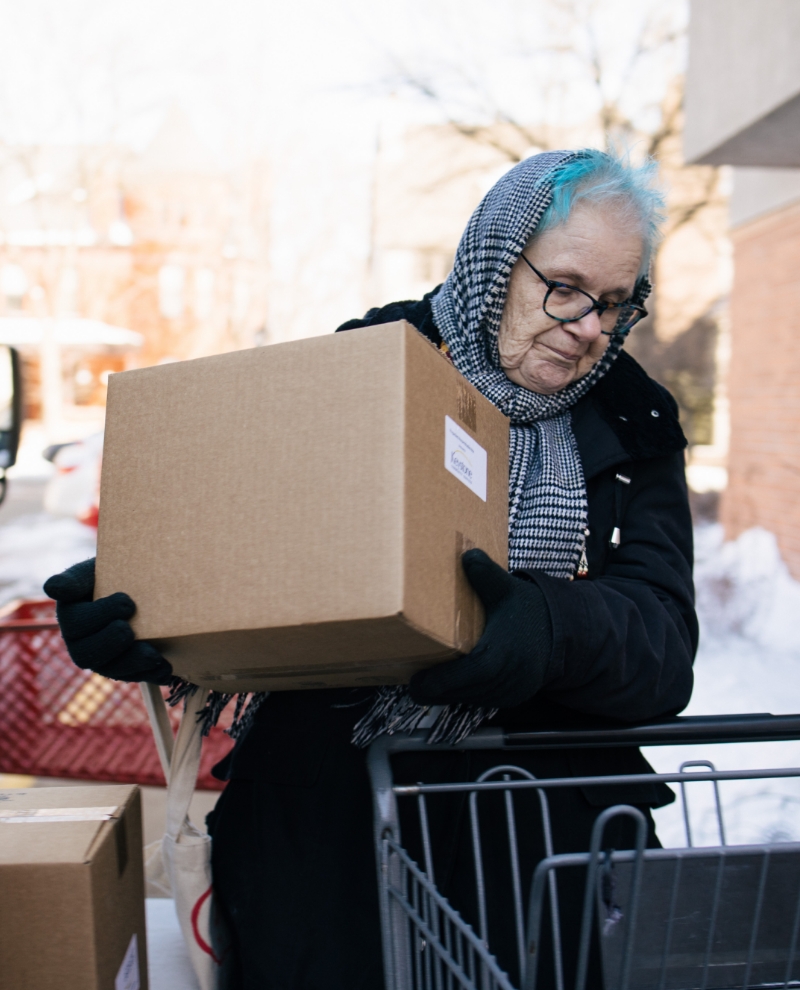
x=128 y=975
x=46 y=815
x=464 y=458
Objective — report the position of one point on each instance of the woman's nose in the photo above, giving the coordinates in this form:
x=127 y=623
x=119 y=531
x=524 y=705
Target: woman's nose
x=587 y=327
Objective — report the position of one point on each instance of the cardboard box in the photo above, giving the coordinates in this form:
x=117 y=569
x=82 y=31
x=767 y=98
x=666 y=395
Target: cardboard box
x=72 y=889
x=293 y=516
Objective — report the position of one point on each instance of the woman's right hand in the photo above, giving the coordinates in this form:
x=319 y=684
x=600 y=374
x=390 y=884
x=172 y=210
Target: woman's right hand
x=98 y=634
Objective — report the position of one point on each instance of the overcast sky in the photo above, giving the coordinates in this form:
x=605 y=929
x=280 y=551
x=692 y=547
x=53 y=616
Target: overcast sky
x=245 y=70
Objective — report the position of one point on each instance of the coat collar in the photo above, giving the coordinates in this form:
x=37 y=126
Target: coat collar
x=598 y=444
x=626 y=417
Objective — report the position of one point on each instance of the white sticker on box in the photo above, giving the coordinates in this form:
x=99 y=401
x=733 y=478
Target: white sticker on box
x=464 y=458
x=128 y=975
x=41 y=816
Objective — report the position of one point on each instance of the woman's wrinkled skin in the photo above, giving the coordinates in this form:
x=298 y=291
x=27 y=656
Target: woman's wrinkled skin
x=595 y=250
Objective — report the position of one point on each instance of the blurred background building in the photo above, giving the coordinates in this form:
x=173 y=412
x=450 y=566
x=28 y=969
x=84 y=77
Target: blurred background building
x=111 y=259
x=743 y=110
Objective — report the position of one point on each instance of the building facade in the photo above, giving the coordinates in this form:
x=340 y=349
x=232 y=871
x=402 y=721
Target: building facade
x=165 y=243
x=743 y=110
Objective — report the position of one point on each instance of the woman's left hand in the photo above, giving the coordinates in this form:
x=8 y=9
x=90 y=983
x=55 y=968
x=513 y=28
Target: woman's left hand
x=508 y=666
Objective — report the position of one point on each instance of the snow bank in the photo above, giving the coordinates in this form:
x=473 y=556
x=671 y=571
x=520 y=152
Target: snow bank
x=745 y=592
x=748 y=661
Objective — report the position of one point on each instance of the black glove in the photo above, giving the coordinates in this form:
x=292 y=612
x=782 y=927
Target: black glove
x=98 y=634
x=509 y=663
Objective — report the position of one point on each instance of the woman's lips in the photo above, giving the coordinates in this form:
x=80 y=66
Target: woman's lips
x=570 y=358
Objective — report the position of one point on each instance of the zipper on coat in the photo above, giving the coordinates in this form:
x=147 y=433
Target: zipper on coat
x=622 y=481
x=583 y=563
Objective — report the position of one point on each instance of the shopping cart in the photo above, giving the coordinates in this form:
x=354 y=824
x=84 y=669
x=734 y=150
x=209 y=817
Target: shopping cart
x=651 y=919
x=57 y=720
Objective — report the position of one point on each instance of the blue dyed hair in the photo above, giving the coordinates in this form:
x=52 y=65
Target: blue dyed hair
x=599 y=177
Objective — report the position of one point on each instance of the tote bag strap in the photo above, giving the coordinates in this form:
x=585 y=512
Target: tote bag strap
x=180 y=757
x=158 y=714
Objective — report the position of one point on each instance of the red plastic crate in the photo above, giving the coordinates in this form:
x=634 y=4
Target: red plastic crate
x=57 y=720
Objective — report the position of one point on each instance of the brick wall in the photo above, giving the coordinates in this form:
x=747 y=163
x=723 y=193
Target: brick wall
x=764 y=461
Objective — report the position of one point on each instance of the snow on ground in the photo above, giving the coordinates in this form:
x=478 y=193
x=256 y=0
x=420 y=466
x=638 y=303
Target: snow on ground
x=748 y=661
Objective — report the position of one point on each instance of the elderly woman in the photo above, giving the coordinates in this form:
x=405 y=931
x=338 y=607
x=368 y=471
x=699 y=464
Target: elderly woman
x=593 y=621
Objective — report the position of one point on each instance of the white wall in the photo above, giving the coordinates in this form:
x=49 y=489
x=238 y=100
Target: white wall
x=758 y=191
x=744 y=64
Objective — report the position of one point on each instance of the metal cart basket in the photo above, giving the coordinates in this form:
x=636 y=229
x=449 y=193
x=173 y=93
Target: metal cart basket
x=659 y=919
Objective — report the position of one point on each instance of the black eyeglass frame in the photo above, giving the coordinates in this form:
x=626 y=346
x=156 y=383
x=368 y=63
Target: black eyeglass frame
x=601 y=307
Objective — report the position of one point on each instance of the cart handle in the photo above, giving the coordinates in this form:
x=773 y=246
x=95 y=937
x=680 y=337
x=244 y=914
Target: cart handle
x=673 y=731
x=676 y=730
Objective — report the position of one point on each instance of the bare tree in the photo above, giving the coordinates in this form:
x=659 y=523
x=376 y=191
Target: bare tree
x=619 y=119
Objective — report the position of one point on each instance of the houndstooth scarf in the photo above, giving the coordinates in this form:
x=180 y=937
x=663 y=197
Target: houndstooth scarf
x=547 y=494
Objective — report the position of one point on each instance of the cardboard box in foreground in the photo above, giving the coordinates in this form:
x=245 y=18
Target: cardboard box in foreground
x=293 y=516
x=72 y=889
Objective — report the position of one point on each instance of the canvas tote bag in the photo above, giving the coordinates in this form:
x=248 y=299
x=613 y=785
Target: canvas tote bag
x=180 y=864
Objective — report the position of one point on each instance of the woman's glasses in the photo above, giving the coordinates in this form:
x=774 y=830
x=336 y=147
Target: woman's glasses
x=567 y=304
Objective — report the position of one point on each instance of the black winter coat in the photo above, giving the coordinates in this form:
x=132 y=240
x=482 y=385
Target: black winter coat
x=293 y=858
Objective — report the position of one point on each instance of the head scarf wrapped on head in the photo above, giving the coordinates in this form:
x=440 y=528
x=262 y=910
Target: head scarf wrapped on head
x=547 y=492
x=548 y=505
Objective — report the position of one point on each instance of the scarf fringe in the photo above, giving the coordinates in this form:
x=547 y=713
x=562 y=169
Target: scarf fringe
x=394 y=711
x=456 y=722
x=179 y=691
x=247 y=704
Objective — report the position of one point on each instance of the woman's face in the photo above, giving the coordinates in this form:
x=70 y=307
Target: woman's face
x=593 y=251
